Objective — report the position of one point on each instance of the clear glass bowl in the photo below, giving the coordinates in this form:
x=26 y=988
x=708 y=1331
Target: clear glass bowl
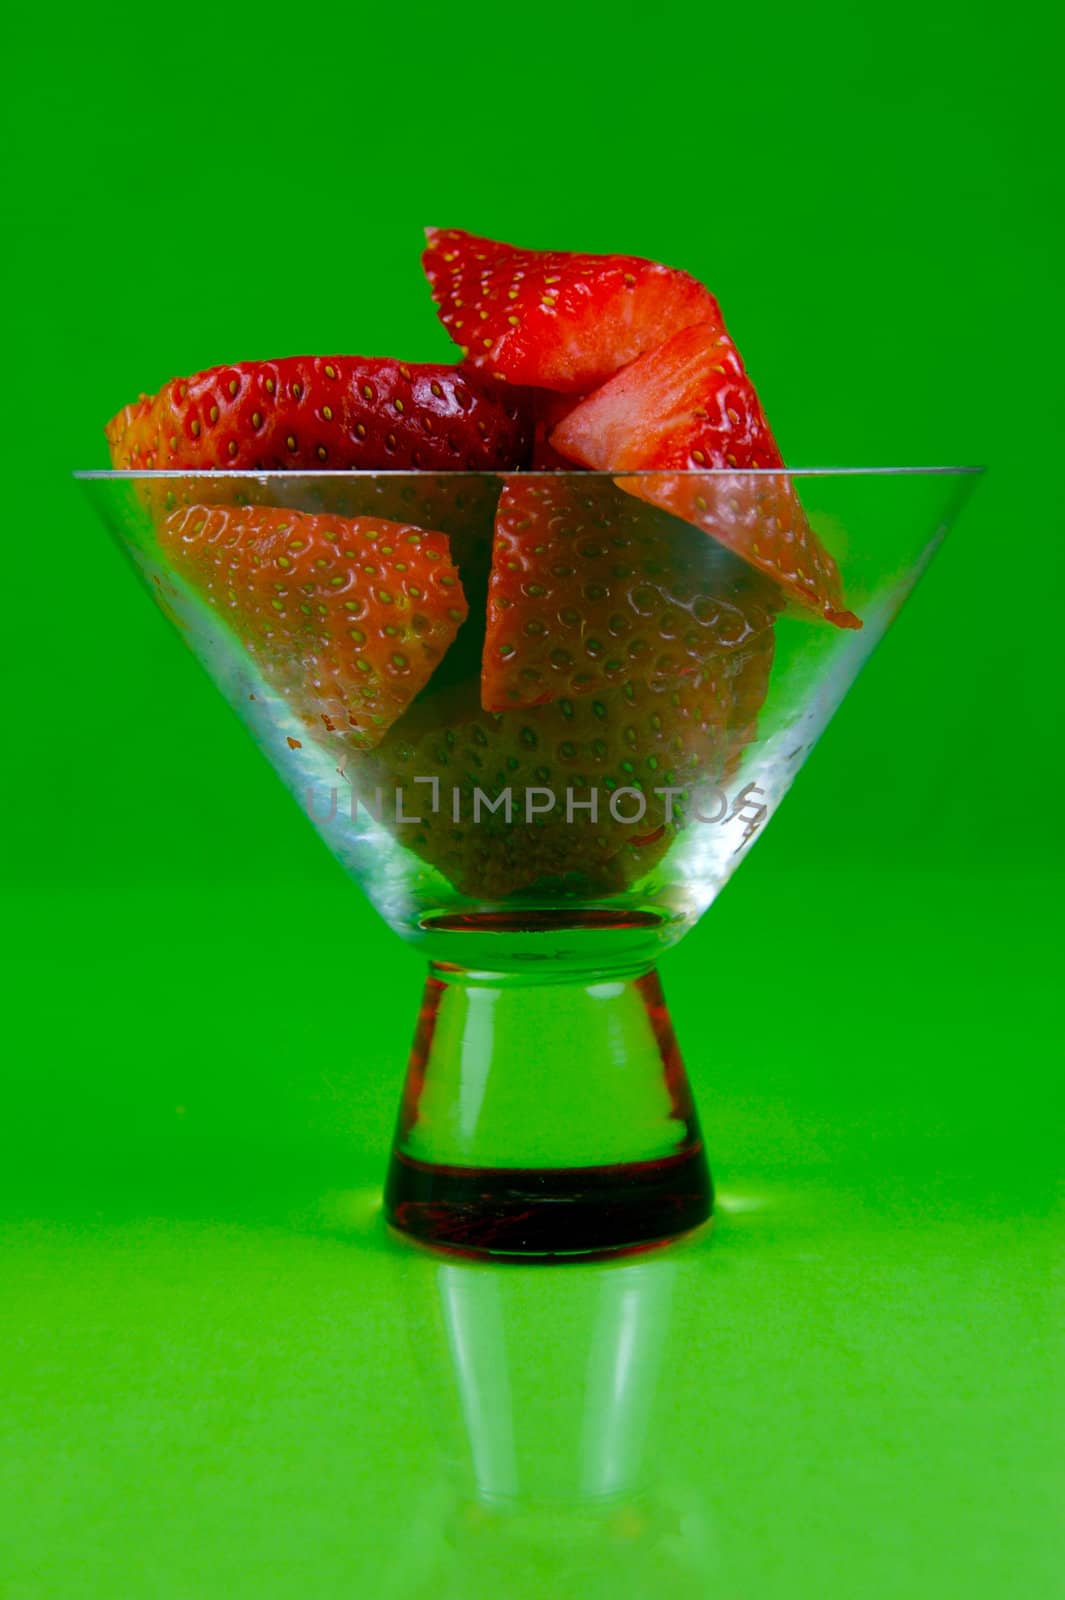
x=662 y=691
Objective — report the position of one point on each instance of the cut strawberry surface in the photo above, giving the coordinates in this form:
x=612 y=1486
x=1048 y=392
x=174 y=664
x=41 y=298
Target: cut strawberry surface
x=347 y=618
x=555 y=319
x=687 y=403
x=548 y=410
x=589 y=588
x=548 y=759
x=322 y=413
x=689 y=406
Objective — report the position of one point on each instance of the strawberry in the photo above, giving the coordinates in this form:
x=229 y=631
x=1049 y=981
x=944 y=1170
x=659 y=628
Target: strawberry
x=346 y=618
x=553 y=319
x=460 y=504
x=750 y=685
x=548 y=410
x=689 y=405
x=335 y=413
x=589 y=588
x=315 y=413
x=630 y=737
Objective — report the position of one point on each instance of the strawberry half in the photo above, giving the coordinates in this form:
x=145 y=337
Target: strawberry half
x=689 y=406
x=554 y=319
x=588 y=588
x=323 y=413
x=630 y=737
x=347 y=618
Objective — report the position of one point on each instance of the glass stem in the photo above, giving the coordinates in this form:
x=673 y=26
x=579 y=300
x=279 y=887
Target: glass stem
x=546 y=1117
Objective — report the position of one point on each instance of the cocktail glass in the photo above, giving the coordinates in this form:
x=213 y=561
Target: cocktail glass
x=543 y=858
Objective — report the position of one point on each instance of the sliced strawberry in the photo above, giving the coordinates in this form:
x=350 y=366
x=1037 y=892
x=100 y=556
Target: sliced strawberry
x=689 y=405
x=460 y=504
x=548 y=410
x=750 y=685
x=589 y=588
x=346 y=618
x=553 y=319
x=631 y=737
x=323 y=413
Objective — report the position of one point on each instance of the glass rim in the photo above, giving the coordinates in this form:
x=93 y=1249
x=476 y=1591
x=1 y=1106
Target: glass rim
x=289 y=474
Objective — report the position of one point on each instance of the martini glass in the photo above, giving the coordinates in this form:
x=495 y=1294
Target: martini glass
x=543 y=858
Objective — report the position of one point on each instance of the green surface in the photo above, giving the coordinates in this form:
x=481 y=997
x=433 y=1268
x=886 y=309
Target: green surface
x=213 y=1366
x=220 y=1379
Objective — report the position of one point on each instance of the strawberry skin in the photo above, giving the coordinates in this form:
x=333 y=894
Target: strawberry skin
x=750 y=685
x=631 y=736
x=323 y=413
x=555 y=319
x=347 y=618
x=460 y=504
x=687 y=407
x=589 y=588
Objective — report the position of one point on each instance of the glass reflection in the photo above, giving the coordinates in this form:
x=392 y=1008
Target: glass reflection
x=546 y=1387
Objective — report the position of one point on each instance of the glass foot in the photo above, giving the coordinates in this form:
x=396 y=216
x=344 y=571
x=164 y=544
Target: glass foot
x=546 y=1119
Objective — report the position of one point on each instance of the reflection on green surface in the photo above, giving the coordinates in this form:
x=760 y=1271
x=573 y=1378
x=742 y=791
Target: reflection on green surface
x=542 y=1385
x=222 y=1377
x=220 y=1409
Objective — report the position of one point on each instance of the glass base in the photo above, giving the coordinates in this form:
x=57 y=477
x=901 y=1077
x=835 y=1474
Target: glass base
x=543 y=1119
x=544 y=1211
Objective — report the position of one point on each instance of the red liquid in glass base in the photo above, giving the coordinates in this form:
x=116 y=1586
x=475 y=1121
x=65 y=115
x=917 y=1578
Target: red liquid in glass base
x=549 y=1211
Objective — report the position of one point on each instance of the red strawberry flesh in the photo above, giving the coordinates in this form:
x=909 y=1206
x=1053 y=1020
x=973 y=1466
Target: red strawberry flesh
x=555 y=319
x=687 y=407
x=547 y=410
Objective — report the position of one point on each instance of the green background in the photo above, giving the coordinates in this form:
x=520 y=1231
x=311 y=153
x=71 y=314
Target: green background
x=207 y=1387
